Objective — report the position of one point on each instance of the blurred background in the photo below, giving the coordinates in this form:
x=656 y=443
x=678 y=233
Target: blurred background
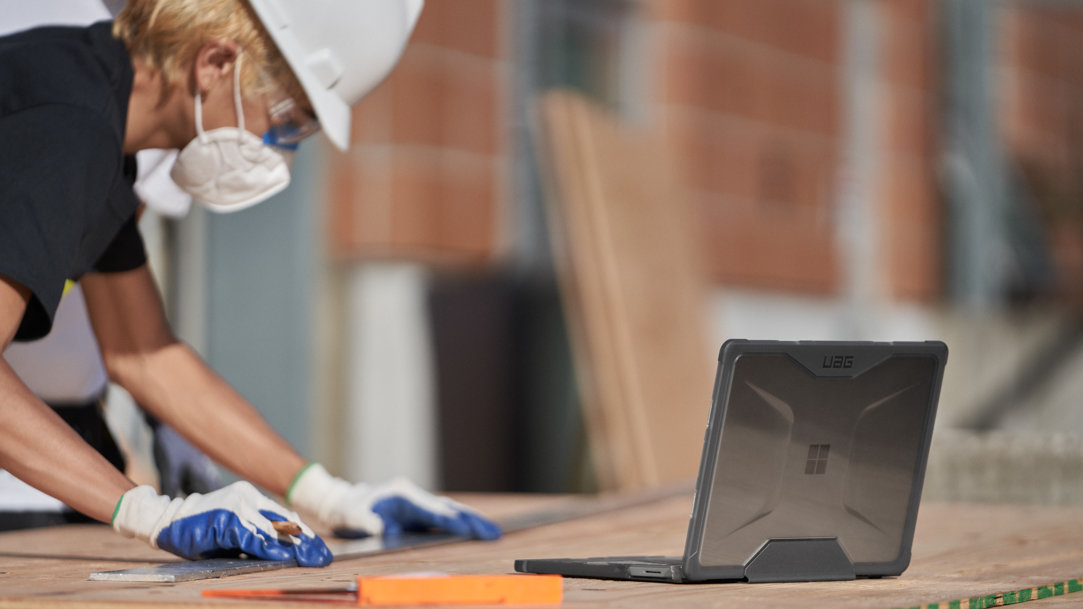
x=853 y=169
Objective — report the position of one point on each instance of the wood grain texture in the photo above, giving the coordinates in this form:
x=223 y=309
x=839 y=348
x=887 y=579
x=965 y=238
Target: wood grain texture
x=631 y=280
x=960 y=552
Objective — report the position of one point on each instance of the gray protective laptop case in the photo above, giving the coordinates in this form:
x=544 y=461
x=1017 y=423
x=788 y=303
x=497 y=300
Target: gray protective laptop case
x=812 y=466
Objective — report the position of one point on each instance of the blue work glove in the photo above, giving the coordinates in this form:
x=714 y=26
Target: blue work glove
x=388 y=509
x=227 y=522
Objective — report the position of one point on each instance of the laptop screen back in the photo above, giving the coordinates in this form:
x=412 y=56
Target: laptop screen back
x=819 y=447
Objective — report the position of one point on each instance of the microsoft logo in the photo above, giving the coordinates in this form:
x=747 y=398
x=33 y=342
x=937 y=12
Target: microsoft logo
x=817 y=459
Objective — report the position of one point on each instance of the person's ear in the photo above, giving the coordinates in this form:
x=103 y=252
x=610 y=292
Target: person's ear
x=216 y=60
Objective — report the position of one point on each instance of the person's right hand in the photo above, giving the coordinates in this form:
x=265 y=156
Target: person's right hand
x=226 y=522
x=388 y=509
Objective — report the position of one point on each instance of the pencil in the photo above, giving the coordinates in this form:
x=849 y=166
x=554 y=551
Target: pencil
x=286 y=527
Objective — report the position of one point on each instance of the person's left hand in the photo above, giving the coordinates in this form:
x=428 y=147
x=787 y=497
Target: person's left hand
x=227 y=522
x=356 y=510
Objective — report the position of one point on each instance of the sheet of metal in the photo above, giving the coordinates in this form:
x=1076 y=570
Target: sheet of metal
x=210 y=568
x=172 y=572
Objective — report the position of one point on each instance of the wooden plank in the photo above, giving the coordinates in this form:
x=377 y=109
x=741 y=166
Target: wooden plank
x=635 y=292
x=960 y=552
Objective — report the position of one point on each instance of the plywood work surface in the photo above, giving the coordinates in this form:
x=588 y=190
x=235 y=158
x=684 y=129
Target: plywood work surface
x=960 y=552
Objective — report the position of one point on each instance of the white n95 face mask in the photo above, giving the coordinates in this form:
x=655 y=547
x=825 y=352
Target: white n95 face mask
x=229 y=169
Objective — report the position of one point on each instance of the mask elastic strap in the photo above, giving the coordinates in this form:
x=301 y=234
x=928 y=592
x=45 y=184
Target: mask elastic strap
x=237 y=92
x=236 y=101
x=199 y=114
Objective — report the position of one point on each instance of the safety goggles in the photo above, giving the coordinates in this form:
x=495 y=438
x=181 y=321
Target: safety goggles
x=289 y=124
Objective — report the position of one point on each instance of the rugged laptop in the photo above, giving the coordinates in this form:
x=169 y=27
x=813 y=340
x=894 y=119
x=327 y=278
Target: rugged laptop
x=812 y=466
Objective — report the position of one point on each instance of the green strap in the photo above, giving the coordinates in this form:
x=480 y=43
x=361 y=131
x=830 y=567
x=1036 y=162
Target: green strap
x=116 y=509
x=293 y=483
x=1010 y=598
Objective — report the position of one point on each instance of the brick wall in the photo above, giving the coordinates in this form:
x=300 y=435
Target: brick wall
x=748 y=94
x=425 y=176
x=1041 y=89
x=751 y=99
x=911 y=204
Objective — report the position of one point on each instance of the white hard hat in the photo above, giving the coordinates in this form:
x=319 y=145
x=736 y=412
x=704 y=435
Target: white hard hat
x=339 y=49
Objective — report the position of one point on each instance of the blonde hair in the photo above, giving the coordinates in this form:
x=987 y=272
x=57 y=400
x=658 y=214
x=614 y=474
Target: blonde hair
x=168 y=34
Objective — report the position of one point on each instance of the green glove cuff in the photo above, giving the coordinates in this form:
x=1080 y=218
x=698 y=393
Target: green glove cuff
x=116 y=510
x=296 y=479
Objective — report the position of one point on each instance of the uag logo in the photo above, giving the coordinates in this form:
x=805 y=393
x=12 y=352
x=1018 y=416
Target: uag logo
x=817 y=459
x=838 y=361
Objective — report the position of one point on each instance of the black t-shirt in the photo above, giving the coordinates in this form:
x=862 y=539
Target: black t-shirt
x=66 y=201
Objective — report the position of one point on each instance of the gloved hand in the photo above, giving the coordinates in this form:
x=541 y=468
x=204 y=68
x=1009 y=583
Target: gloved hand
x=226 y=522
x=355 y=510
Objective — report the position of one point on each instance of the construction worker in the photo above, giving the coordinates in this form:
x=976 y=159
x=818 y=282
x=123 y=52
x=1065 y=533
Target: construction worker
x=235 y=85
x=64 y=369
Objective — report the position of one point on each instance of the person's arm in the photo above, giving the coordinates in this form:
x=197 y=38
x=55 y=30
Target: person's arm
x=37 y=446
x=171 y=381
